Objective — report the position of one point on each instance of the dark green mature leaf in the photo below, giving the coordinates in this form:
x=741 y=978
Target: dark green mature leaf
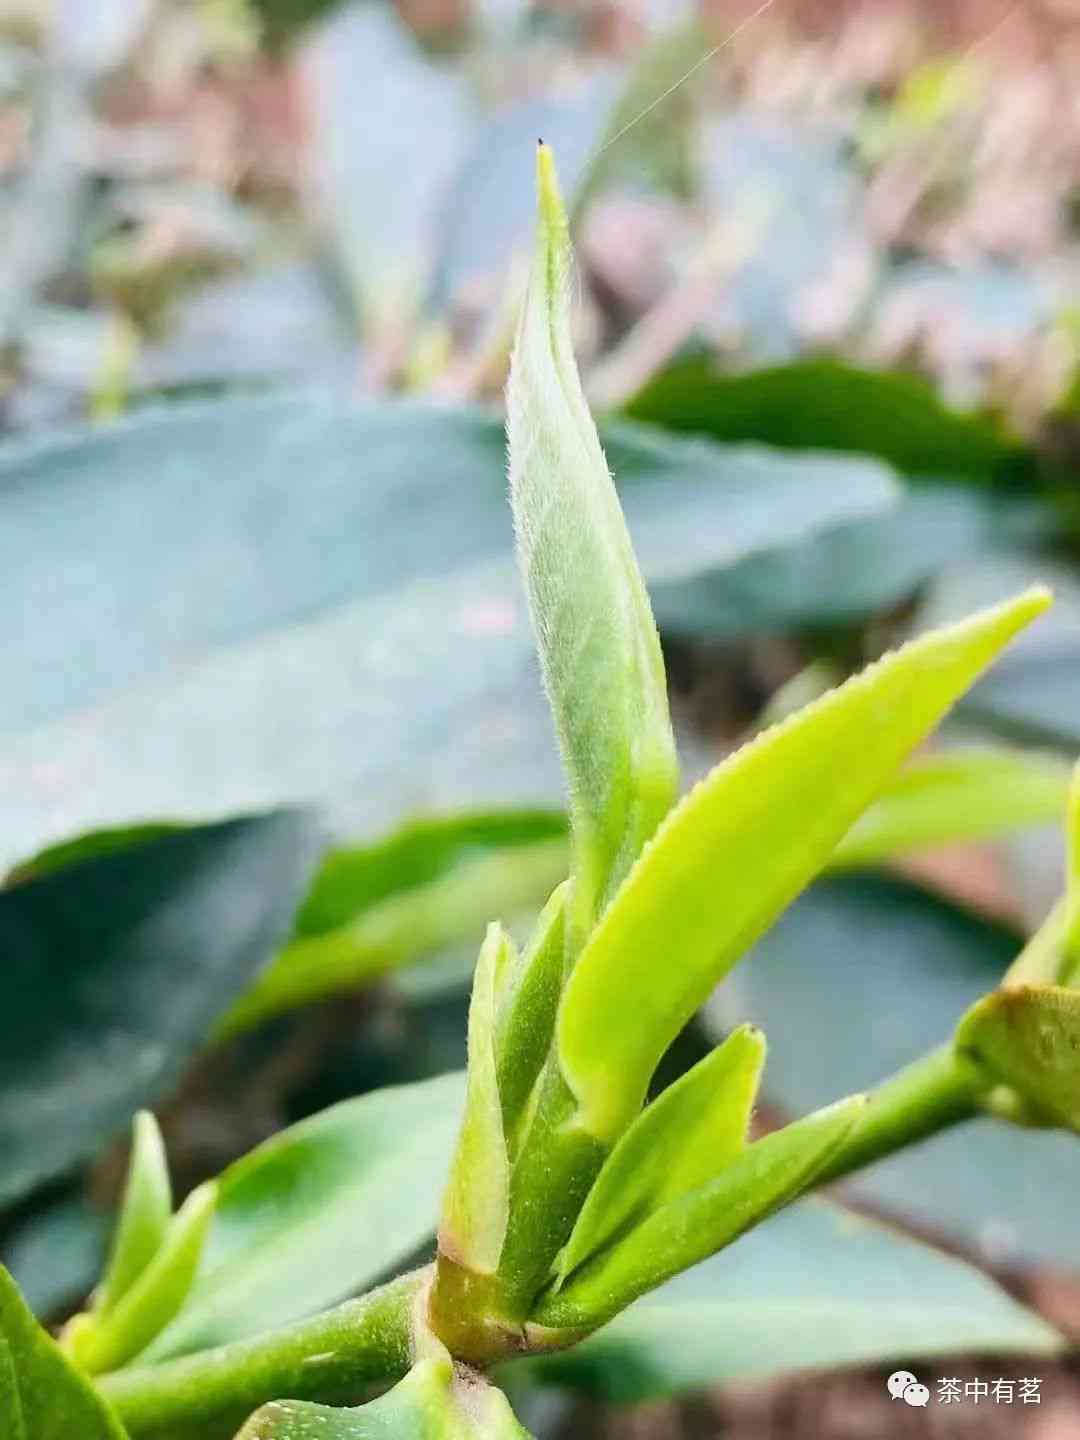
x=56 y=1254
x=433 y=1402
x=860 y=978
x=738 y=849
x=88 y=990
x=825 y=404
x=814 y=1288
x=216 y=690
x=41 y=1396
x=319 y=1212
x=599 y=649
x=843 y=574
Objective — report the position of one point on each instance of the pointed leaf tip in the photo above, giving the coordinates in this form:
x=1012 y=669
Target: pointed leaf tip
x=599 y=650
x=738 y=849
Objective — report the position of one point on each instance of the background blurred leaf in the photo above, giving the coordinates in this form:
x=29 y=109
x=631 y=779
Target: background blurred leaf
x=116 y=968
x=826 y=404
x=320 y=1212
x=863 y=975
x=302 y=598
x=432 y=885
x=56 y=1254
x=390 y=125
x=813 y=1287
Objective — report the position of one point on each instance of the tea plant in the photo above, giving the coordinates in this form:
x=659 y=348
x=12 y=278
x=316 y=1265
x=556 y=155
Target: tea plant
x=571 y=1193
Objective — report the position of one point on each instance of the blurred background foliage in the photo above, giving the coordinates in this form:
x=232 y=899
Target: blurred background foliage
x=259 y=266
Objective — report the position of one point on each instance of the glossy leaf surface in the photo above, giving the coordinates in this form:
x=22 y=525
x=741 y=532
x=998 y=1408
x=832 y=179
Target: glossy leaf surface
x=41 y=1396
x=684 y=1138
x=320 y=1212
x=816 y=1287
x=739 y=848
x=599 y=650
x=91 y=949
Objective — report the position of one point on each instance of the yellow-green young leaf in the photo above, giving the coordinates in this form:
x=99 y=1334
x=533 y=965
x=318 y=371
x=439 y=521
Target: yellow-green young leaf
x=960 y=795
x=1041 y=961
x=1028 y=1038
x=599 y=649
x=41 y=1396
x=740 y=847
x=527 y=1008
x=99 y=1343
x=475 y=1205
x=433 y=1402
x=759 y=1180
x=144 y=1214
x=686 y=1136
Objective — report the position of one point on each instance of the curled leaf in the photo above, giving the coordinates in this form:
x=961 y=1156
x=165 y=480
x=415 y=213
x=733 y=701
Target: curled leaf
x=739 y=848
x=475 y=1206
x=527 y=1010
x=599 y=650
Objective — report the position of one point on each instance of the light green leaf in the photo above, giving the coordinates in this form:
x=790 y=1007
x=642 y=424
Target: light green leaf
x=599 y=649
x=431 y=1403
x=685 y=1137
x=527 y=1011
x=475 y=1206
x=960 y=795
x=429 y=886
x=740 y=847
x=1027 y=1037
x=815 y=1288
x=144 y=1214
x=41 y=1396
x=319 y=1212
x=762 y=1178
x=99 y=1343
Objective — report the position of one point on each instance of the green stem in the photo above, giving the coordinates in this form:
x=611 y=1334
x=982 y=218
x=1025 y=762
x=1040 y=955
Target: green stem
x=361 y=1343
x=932 y=1094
